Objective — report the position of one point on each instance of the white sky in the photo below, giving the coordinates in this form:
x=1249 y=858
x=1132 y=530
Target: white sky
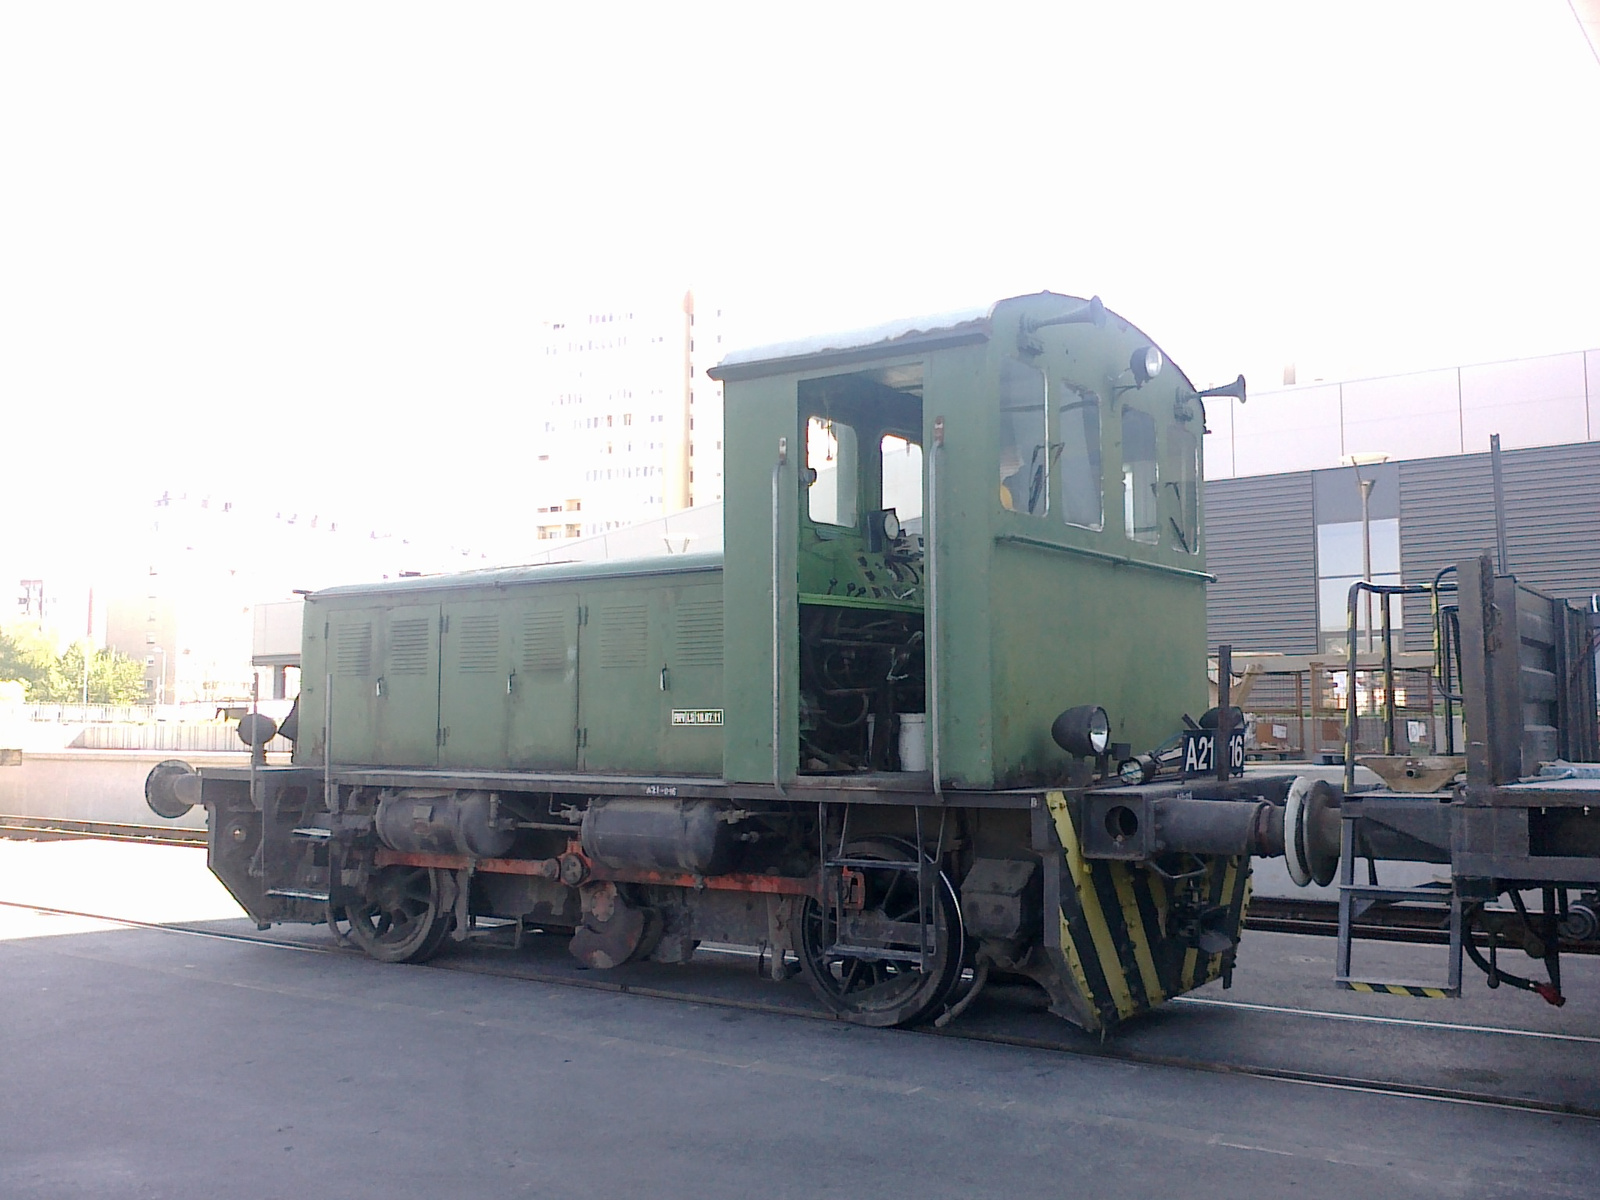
x=297 y=251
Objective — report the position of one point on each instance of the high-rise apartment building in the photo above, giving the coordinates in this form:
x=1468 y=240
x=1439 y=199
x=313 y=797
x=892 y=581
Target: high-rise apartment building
x=627 y=424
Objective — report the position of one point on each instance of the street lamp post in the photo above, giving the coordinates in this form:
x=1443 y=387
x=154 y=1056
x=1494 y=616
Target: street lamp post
x=161 y=677
x=1358 y=461
x=1366 y=545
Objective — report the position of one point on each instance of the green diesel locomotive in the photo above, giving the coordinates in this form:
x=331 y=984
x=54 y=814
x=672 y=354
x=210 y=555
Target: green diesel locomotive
x=901 y=732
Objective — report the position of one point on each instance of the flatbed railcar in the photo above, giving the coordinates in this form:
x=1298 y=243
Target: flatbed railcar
x=905 y=732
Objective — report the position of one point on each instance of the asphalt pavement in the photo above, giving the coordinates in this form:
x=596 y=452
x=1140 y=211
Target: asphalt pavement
x=138 y=1062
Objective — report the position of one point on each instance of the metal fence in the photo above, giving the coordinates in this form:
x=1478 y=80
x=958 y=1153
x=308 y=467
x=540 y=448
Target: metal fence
x=136 y=727
x=81 y=714
x=180 y=737
x=1300 y=714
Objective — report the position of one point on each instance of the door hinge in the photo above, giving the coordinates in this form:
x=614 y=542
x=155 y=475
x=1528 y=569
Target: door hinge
x=583 y=738
x=444 y=623
x=442 y=738
x=583 y=614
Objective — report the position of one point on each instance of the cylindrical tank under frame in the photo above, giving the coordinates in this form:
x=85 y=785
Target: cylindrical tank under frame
x=444 y=822
x=697 y=836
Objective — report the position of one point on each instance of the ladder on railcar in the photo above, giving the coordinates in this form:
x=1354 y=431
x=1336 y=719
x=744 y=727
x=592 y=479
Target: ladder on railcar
x=1356 y=898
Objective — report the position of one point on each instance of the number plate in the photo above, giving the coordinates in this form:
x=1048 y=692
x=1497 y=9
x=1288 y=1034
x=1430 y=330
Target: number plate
x=1200 y=752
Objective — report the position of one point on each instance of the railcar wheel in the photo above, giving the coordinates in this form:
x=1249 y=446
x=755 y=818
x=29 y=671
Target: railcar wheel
x=882 y=991
x=400 y=919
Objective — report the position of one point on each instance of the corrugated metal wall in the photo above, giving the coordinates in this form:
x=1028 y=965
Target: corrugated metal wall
x=1552 y=520
x=1261 y=546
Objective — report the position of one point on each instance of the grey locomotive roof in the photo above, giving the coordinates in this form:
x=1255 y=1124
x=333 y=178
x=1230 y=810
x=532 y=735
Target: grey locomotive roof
x=560 y=572
x=858 y=339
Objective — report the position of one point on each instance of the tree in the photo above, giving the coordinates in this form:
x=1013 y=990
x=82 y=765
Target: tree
x=27 y=655
x=113 y=678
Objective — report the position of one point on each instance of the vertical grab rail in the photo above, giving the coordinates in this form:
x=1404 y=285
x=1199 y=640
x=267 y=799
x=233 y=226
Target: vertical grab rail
x=327 y=743
x=1388 y=680
x=777 y=615
x=1350 y=714
x=256 y=753
x=931 y=641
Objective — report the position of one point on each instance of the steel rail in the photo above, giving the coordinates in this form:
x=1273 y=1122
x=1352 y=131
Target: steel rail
x=1320 y=918
x=1106 y=1051
x=57 y=827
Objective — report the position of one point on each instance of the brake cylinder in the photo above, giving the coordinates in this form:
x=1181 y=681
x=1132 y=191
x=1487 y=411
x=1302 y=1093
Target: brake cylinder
x=625 y=832
x=467 y=823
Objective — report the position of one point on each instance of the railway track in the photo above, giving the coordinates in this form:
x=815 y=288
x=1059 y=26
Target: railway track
x=51 y=828
x=1111 y=1051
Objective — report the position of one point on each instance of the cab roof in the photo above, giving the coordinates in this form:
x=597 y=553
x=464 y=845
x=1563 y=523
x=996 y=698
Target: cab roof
x=908 y=334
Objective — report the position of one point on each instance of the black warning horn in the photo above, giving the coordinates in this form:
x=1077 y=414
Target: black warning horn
x=1090 y=312
x=1234 y=389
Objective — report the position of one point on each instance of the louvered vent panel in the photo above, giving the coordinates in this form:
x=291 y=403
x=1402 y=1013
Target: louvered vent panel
x=544 y=641
x=480 y=642
x=700 y=634
x=352 y=650
x=408 y=646
x=624 y=640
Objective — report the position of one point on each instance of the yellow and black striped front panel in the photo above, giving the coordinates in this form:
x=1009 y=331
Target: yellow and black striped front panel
x=1399 y=989
x=1116 y=931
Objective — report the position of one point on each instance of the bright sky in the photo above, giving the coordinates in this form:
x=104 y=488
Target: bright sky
x=297 y=251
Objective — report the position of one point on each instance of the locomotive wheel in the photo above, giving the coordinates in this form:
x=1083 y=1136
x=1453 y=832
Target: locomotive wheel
x=400 y=919
x=885 y=991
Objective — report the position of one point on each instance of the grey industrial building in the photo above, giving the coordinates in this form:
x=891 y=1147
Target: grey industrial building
x=1283 y=504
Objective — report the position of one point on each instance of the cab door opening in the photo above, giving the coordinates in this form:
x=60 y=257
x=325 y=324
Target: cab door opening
x=861 y=572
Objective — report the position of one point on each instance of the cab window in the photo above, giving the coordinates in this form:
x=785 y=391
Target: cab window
x=831 y=457
x=1024 y=465
x=1183 y=488
x=1078 y=461
x=901 y=460
x=1141 y=477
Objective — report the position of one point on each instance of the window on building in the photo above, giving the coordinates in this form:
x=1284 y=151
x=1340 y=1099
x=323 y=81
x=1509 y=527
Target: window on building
x=1082 y=478
x=1024 y=465
x=831 y=462
x=1340 y=559
x=901 y=461
x=1141 y=477
x=1341 y=549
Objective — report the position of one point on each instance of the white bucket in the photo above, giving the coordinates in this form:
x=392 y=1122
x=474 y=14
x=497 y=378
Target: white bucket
x=913 y=741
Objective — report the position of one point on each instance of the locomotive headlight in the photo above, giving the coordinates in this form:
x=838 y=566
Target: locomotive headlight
x=1146 y=364
x=891 y=525
x=1084 y=731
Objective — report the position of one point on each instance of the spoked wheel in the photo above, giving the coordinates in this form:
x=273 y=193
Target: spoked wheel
x=865 y=963
x=400 y=919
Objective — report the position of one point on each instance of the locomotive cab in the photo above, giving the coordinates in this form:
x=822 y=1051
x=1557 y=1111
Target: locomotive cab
x=943 y=534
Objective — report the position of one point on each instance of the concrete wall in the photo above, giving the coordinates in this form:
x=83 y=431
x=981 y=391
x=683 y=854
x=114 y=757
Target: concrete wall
x=95 y=785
